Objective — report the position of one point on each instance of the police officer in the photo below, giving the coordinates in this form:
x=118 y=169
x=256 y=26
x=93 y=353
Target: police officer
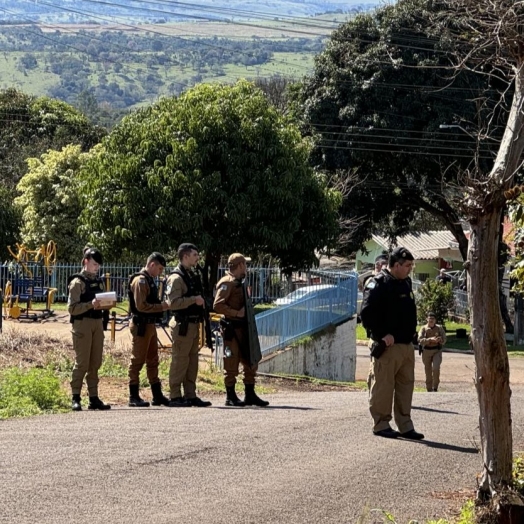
x=184 y=296
x=88 y=331
x=146 y=309
x=389 y=313
x=431 y=338
x=229 y=301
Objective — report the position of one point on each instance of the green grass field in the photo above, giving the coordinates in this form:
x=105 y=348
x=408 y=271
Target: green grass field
x=452 y=341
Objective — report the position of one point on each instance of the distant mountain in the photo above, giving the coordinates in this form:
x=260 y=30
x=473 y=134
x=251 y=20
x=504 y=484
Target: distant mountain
x=83 y=11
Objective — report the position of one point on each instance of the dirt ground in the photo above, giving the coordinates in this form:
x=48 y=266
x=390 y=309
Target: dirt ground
x=456 y=373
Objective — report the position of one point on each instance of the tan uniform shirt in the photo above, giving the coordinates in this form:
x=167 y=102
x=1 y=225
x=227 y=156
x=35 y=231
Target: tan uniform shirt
x=427 y=332
x=140 y=290
x=175 y=290
x=229 y=299
x=76 y=288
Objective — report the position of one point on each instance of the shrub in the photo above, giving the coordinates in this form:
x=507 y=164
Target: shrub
x=25 y=392
x=436 y=297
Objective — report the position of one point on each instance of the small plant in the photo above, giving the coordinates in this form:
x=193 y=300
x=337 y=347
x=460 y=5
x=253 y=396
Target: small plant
x=112 y=368
x=25 y=392
x=436 y=297
x=518 y=474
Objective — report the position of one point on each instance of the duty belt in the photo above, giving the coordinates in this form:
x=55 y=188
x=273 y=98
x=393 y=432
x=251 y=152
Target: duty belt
x=433 y=347
x=144 y=320
x=191 y=319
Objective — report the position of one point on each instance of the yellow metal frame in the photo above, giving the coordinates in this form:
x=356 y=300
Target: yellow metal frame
x=46 y=253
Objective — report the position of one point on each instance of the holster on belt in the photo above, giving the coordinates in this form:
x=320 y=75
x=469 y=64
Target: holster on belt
x=140 y=323
x=184 y=326
x=378 y=348
x=228 y=330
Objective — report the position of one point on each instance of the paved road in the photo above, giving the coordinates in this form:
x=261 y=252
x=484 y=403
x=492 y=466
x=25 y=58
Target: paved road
x=309 y=458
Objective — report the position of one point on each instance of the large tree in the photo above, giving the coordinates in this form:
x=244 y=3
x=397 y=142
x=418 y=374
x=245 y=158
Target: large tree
x=49 y=204
x=379 y=93
x=218 y=166
x=486 y=38
x=32 y=125
x=9 y=222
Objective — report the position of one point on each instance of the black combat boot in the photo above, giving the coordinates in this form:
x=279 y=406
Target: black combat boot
x=96 y=403
x=196 y=402
x=252 y=399
x=158 y=397
x=134 y=397
x=231 y=397
x=75 y=403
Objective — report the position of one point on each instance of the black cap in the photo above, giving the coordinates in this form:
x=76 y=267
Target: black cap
x=93 y=254
x=186 y=246
x=400 y=253
x=431 y=314
x=381 y=258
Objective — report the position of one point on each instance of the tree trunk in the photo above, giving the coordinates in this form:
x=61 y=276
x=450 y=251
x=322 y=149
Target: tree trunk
x=487 y=335
x=489 y=345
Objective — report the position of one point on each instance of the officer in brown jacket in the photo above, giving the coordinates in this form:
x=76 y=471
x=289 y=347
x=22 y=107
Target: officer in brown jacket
x=147 y=309
x=229 y=301
x=431 y=339
x=184 y=296
x=87 y=329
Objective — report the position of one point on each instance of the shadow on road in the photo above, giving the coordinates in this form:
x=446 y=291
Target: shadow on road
x=443 y=445
x=268 y=408
x=436 y=410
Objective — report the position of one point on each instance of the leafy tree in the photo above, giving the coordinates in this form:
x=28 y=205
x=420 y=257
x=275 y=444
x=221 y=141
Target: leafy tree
x=218 y=166
x=436 y=297
x=31 y=126
x=375 y=102
x=9 y=222
x=517 y=218
x=487 y=39
x=49 y=203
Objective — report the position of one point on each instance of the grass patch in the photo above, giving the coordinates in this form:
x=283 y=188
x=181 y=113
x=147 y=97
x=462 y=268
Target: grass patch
x=452 y=341
x=26 y=392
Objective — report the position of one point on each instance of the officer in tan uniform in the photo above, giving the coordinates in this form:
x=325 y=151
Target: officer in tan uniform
x=146 y=308
x=431 y=338
x=229 y=301
x=87 y=329
x=390 y=314
x=184 y=296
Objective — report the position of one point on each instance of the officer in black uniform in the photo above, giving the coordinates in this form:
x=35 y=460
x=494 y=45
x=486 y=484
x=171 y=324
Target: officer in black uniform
x=87 y=329
x=389 y=313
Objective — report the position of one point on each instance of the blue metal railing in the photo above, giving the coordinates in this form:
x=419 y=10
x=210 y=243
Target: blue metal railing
x=332 y=302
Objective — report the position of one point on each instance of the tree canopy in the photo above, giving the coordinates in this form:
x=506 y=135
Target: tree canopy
x=48 y=201
x=218 y=166
x=375 y=103
x=9 y=222
x=32 y=125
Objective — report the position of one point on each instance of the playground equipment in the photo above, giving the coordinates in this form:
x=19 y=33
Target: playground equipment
x=30 y=276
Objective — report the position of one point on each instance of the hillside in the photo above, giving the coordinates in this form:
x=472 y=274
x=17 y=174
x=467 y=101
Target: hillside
x=74 y=11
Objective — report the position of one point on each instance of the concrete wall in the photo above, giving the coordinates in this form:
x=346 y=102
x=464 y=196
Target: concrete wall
x=330 y=355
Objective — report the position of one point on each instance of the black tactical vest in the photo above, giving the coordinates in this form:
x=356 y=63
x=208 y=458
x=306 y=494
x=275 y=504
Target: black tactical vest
x=92 y=287
x=194 y=288
x=152 y=298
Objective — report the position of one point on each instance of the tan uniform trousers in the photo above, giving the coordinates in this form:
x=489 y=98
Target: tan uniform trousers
x=392 y=383
x=88 y=343
x=144 y=350
x=432 y=359
x=231 y=363
x=184 y=360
